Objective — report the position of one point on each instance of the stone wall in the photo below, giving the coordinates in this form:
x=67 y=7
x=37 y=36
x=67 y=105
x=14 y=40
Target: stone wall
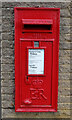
x=7 y=61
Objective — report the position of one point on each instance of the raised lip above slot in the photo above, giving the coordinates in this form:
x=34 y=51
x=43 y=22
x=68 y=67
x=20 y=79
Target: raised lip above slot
x=37 y=21
x=49 y=40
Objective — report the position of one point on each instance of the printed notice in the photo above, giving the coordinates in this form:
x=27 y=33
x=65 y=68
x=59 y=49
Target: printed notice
x=36 y=61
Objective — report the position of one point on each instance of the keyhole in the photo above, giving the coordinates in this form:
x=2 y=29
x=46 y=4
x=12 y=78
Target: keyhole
x=27 y=78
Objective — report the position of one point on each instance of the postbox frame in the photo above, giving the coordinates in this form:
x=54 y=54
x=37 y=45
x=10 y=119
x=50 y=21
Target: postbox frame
x=53 y=107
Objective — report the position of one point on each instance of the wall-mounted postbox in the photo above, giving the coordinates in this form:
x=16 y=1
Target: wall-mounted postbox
x=36 y=59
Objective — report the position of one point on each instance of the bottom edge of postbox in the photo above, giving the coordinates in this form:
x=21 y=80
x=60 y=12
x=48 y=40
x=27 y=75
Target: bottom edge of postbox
x=34 y=110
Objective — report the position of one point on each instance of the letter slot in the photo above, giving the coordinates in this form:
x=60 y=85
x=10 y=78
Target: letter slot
x=37 y=25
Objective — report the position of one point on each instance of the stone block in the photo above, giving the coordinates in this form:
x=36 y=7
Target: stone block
x=7 y=44
x=5 y=83
x=7 y=52
x=64 y=106
x=8 y=76
x=65 y=45
x=65 y=53
x=8 y=104
x=64 y=99
x=64 y=76
x=64 y=92
x=6 y=97
x=64 y=13
x=65 y=38
x=7 y=28
x=7 y=60
x=7 y=36
x=64 y=69
x=64 y=60
x=7 y=67
x=7 y=11
x=7 y=90
x=64 y=30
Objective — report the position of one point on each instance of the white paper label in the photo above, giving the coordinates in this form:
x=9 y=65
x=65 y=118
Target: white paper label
x=36 y=61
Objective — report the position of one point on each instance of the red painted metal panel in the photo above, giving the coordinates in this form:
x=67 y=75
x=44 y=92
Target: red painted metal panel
x=36 y=92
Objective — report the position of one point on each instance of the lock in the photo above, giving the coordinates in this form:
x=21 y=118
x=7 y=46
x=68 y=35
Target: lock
x=27 y=81
x=36 y=59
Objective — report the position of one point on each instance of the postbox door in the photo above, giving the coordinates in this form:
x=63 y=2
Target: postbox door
x=36 y=70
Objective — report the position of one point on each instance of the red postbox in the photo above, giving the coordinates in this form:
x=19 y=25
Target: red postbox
x=36 y=59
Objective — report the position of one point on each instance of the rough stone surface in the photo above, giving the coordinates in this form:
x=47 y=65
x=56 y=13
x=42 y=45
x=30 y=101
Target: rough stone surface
x=7 y=76
x=64 y=99
x=7 y=61
x=64 y=60
x=8 y=36
x=65 y=69
x=65 y=53
x=64 y=76
x=7 y=67
x=63 y=5
x=64 y=13
x=7 y=52
x=65 y=37
x=64 y=106
x=7 y=90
